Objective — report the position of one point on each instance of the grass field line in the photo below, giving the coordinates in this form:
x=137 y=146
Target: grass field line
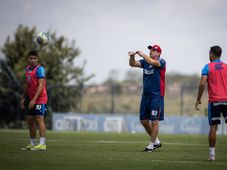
x=189 y=162
x=131 y=142
x=110 y=142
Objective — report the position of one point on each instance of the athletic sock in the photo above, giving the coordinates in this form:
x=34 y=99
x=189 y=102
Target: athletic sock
x=32 y=141
x=151 y=145
x=42 y=141
x=157 y=141
x=212 y=151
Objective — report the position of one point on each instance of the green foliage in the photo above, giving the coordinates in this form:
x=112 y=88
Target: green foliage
x=133 y=77
x=58 y=58
x=182 y=79
x=181 y=91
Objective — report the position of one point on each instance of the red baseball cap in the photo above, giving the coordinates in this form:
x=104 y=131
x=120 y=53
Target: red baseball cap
x=156 y=48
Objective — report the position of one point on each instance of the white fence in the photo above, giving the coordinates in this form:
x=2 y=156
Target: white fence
x=130 y=123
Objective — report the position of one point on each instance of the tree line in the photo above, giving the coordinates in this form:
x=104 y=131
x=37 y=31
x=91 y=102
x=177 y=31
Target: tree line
x=65 y=80
x=57 y=57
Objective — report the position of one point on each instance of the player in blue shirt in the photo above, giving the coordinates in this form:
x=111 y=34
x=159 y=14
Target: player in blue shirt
x=152 y=102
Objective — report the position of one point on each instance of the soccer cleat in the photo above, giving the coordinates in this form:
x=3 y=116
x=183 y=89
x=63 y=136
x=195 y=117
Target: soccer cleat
x=157 y=146
x=211 y=158
x=27 y=147
x=39 y=147
x=148 y=150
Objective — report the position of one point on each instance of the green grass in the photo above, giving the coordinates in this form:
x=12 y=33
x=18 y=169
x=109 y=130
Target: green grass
x=88 y=151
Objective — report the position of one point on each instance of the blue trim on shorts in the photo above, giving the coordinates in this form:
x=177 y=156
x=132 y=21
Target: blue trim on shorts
x=209 y=113
x=38 y=109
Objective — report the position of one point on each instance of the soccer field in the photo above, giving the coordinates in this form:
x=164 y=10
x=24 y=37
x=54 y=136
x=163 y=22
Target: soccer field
x=88 y=151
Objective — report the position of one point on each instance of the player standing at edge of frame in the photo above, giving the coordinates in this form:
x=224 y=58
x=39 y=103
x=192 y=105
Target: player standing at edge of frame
x=152 y=102
x=215 y=75
x=35 y=89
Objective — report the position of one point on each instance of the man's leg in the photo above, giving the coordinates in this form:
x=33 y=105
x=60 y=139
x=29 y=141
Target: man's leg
x=42 y=132
x=214 y=112
x=145 y=121
x=32 y=132
x=32 y=129
x=147 y=126
x=39 y=118
x=154 y=133
x=42 y=128
x=212 y=141
x=157 y=113
x=154 y=130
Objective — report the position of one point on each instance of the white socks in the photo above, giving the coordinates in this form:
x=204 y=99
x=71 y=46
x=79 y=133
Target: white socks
x=33 y=141
x=212 y=151
x=157 y=141
x=42 y=141
x=151 y=145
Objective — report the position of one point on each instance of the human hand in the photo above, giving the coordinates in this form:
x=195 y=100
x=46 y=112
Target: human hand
x=31 y=104
x=198 y=102
x=22 y=105
x=131 y=53
x=140 y=53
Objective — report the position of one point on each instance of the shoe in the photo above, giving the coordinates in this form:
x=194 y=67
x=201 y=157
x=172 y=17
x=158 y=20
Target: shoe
x=211 y=158
x=39 y=147
x=27 y=147
x=148 y=150
x=157 y=146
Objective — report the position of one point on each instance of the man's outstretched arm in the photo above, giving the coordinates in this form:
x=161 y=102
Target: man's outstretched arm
x=201 y=89
x=149 y=60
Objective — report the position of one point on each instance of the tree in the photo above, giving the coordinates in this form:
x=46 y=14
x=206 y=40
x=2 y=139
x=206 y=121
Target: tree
x=58 y=58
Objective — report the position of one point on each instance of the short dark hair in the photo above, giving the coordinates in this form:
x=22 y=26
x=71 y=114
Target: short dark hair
x=216 y=51
x=35 y=53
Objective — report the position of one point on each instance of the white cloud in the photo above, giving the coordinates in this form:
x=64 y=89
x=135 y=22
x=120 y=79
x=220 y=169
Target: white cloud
x=106 y=30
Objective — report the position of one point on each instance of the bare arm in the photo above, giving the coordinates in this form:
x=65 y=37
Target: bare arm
x=23 y=96
x=201 y=89
x=149 y=60
x=38 y=91
x=132 y=61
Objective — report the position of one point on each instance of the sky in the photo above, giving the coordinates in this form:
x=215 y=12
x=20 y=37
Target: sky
x=105 y=30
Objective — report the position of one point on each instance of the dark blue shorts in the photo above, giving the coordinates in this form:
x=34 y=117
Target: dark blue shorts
x=38 y=109
x=214 y=112
x=152 y=108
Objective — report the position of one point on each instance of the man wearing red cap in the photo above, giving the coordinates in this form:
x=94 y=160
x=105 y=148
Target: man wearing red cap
x=152 y=102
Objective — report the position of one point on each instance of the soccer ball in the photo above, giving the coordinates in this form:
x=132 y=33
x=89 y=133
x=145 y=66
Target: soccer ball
x=42 y=38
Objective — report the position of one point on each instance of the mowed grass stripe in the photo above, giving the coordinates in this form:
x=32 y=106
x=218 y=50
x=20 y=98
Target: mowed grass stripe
x=103 y=141
x=72 y=150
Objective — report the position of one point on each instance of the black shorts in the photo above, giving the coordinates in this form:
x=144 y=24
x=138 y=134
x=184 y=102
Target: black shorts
x=214 y=112
x=38 y=109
